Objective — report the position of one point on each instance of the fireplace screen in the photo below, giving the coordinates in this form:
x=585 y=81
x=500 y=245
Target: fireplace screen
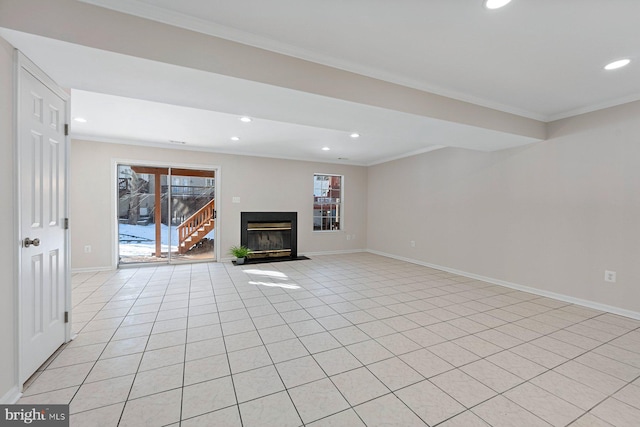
x=269 y=237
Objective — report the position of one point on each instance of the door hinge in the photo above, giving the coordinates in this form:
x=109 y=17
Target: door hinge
x=66 y=223
x=66 y=130
x=66 y=317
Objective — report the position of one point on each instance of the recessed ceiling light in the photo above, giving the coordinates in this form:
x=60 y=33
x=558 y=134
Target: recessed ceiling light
x=496 y=4
x=617 y=64
x=235 y=138
x=80 y=119
x=245 y=119
x=355 y=135
x=326 y=148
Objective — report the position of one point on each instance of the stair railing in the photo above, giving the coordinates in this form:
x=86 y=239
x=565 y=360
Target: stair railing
x=192 y=224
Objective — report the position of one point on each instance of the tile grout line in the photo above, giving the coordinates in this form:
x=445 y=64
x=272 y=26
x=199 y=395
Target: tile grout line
x=335 y=284
x=102 y=352
x=148 y=339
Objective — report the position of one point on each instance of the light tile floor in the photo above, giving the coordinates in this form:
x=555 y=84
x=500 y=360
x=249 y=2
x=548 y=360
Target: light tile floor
x=347 y=340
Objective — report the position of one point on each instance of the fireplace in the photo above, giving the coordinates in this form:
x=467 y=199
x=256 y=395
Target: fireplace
x=270 y=234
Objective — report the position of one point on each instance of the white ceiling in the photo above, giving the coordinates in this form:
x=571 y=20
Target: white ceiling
x=539 y=59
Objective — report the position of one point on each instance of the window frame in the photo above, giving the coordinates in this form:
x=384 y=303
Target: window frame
x=340 y=204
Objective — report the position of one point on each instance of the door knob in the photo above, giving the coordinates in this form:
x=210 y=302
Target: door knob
x=28 y=242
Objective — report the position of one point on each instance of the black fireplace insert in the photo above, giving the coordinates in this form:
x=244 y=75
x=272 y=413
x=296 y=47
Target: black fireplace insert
x=270 y=234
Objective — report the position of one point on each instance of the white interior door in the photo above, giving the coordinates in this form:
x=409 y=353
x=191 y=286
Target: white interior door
x=42 y=194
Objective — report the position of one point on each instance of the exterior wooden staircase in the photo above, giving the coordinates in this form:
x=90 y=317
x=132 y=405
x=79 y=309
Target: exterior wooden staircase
x=196 y=227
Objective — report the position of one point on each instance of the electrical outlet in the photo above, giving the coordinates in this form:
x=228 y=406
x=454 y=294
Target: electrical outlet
x=412 y=243
x=610 y=276
x=348 y=236
x=87 y=249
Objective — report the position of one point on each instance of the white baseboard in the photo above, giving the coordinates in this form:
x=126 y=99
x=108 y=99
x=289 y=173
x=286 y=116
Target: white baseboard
x=11 y=396
x=320 y=253
x=566 y=298
x=91 y=269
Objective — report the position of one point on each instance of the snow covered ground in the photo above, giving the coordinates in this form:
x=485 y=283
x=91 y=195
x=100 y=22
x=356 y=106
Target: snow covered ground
x=147 y=235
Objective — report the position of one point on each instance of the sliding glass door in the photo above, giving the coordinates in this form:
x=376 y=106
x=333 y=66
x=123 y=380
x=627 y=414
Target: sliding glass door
x=165 y=214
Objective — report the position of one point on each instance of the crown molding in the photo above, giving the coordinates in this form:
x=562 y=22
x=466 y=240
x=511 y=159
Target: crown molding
x=168 y=17
x=591 y=108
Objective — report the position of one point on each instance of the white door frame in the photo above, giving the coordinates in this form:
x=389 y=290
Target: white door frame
x=22 y=62
x=114 y=199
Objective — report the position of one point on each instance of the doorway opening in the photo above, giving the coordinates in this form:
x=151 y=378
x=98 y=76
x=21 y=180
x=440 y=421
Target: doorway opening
x=165 y=214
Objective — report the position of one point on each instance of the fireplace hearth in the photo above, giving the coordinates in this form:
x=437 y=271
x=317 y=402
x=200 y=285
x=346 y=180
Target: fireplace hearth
x=270 y=235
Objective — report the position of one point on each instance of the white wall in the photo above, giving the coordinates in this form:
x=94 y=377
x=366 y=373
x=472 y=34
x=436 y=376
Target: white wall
x=262 y=184
x=8 y=224
x=553 y=215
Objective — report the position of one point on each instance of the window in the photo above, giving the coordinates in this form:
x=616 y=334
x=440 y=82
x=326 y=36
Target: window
x=327 y=202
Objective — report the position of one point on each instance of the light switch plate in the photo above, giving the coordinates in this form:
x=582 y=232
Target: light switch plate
x=235 y=199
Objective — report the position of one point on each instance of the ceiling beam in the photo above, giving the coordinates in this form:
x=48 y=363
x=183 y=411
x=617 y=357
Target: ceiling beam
x=96 y=27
